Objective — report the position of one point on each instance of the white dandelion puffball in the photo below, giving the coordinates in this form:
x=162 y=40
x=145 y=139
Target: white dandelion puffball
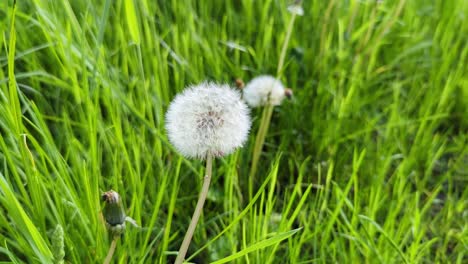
x=296 y=9
x=264 y=90
x=207 y=119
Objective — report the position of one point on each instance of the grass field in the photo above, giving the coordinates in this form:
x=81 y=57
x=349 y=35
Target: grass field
x=368 y=163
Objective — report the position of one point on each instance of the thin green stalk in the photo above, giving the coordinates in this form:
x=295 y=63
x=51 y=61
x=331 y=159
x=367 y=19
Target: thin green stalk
x=111 y=250
x=267 y=113
x=259 y=140
x=198 y=210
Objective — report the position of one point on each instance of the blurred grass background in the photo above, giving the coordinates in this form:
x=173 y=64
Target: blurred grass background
x=367 y=164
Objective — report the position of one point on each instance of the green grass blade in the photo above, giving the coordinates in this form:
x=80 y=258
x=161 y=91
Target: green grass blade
x=132 y=22
x=276 y=239
x=24 y=223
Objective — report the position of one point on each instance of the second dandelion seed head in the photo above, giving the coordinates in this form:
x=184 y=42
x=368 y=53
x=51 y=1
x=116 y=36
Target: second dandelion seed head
x=265 y=90
x=207 y=119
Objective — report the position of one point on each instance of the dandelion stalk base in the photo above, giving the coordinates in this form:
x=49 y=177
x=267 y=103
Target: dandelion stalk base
x=196 y=214
x=110 y=254
x=259 y=141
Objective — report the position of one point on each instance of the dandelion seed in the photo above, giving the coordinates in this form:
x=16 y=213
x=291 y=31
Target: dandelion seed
x=233 y=45
x=207 y=119
x=264 y=90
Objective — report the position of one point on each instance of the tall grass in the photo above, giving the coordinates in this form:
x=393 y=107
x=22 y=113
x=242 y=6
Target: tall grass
x=368 y=163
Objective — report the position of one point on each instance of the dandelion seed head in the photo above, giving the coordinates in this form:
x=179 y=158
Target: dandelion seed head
x=264 y=90
x=207 y=119
x=296 y=9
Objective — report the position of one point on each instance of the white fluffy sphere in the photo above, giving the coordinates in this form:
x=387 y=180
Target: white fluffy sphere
x=264 y=90
x=207 y=119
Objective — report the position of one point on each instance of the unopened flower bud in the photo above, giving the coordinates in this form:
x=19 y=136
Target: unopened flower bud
x=239 y=83
x=288 y=93
x=113 y=212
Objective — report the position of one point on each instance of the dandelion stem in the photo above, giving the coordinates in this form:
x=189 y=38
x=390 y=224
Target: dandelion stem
x=259 y=141
x=196 y=214
x=267 y=112
x=111 y=250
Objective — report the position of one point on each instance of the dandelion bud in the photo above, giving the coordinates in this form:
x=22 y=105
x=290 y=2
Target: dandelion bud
x=264 y=90
x=113 y=212
x=239 y=83
x=207 y=119
x=288 y=93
